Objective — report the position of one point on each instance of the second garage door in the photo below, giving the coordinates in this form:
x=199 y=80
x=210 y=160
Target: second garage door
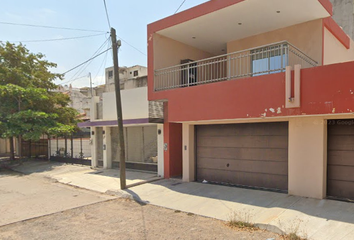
x=252 y=155
x=340 y=179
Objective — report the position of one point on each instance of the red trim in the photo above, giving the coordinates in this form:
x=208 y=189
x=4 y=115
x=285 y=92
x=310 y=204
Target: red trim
x=327 y=5
x=150 y=62
x=195 y=12
x=337 y=31
x=324 y=90
x=189 y=14
x=173 y=154
x=323 y=40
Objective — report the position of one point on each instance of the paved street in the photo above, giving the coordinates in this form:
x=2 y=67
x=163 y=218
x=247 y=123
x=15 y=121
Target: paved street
x=35 y=207
x=24 y=197
x=312 y=218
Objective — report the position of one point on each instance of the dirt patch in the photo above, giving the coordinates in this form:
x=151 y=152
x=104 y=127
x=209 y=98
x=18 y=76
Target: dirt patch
x=126 y=219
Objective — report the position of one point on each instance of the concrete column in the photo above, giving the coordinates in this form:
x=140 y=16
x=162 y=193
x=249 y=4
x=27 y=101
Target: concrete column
x=94 y=160
x=107 y=148
x=308 y=157
x=188 y=143
x=160 y=150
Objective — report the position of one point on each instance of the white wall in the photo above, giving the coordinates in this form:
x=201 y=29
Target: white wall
x=134 y=104
x=160 y=151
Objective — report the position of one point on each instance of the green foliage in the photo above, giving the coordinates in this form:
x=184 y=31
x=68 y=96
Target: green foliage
x=28 y=105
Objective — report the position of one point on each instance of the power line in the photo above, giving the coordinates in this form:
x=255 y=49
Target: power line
x=73 y=80
x=87 y=61
x=61 y=39
x=102 y=64
x=53 y=27
x=105 y=7
x=83 y=67
x=180 y=6
x=132 y=46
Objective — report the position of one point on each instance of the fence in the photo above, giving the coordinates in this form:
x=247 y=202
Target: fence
x=258 y=61
x=38 y=149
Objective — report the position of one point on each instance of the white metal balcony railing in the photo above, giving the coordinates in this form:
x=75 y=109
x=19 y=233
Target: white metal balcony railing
x=258 y=61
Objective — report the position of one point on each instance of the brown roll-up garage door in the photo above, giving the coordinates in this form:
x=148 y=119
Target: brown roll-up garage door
x=340 y=178
x=252 y=155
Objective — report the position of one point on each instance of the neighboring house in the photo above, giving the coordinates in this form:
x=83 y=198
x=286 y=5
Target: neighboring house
x=80 y=99
x=142 y=123
x=343 y=14
x=127 y=75
x=256 y=93
x=78 y=146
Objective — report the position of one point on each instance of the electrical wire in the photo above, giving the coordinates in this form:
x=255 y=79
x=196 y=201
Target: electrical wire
x=81 y=70
x=60 y=39
x=86 y=61
x=132 y=46
x=73 y=80
x=84 y=67
x=53 y=27
x=102 y=64
x=105 y=7
x=180 y=6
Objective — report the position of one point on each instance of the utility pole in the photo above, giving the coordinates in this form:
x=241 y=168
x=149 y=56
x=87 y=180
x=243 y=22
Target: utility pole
x=115 y=47
x=91 y=85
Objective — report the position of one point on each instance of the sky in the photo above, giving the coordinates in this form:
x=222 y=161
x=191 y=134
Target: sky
x=129 y=18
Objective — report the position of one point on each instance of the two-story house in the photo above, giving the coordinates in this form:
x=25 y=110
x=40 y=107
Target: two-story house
x=142 y=120
x=258 y=94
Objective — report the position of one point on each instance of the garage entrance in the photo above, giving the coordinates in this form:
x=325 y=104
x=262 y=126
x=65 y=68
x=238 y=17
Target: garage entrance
x=340 y=159
x=251 y=155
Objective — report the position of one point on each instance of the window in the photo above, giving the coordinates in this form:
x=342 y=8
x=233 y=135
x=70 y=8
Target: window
x=110 y=74
x=136 y=73
x=268 y=60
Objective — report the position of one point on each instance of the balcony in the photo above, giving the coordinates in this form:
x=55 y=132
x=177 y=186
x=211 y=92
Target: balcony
x=267 y=59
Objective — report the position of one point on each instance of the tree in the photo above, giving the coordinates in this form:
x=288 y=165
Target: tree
x=29 y=105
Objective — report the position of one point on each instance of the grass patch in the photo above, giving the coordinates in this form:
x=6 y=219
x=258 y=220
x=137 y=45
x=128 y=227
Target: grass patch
x=293 y=230
x=241 y=220
x=240 y=224
x=292 y=236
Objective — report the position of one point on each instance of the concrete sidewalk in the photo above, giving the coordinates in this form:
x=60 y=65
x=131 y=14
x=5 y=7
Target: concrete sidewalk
x=82 y=176
x=310 y=218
